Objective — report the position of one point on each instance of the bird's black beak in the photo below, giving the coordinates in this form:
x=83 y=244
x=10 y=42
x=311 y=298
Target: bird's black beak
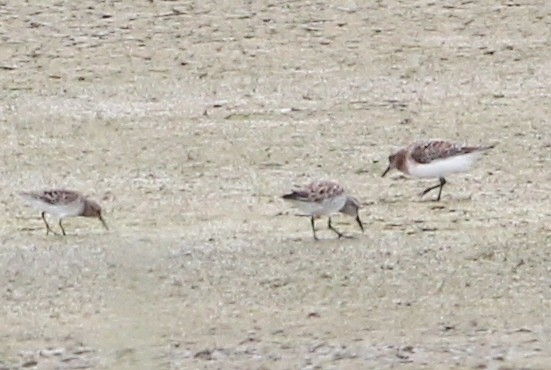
x=360 y=222
x=103 y=222
x=386 y=171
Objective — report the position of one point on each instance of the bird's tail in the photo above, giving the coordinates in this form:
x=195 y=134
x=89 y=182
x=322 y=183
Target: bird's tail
x=27 y=195
x=295 y=195
x=476 y=149
x=488 y=147
x=290 y=196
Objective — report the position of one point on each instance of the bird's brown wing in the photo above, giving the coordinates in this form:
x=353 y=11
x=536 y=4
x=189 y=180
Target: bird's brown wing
x=58 y=196
x=319 y=191
x=316 y=192
x=429 y=151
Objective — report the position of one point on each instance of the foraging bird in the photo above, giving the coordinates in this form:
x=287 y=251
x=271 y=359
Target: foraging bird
x=434 y=159
x=325 y=198
x=61 y=204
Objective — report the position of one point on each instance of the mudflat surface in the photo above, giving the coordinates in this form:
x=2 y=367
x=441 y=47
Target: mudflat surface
x=188 y=120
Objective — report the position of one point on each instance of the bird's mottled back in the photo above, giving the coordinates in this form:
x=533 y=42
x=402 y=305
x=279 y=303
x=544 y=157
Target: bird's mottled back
x=54 y=197
x=316 y=192
x=428 y=151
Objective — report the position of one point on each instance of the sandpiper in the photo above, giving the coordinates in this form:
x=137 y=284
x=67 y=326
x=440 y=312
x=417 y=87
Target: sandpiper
x=434 y=159
x=325 y=198
x=61 y=204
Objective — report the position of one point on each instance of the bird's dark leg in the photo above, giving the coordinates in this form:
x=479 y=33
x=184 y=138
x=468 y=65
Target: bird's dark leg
x=333 y=229
x=48 y=229
x=61 y=226
x=427 y=190
x=312 y=222
x=440 y=185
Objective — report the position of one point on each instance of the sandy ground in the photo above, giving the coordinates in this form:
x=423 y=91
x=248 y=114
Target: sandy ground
x=188 y=119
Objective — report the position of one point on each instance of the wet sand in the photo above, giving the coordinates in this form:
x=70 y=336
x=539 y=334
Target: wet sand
x=188 y=120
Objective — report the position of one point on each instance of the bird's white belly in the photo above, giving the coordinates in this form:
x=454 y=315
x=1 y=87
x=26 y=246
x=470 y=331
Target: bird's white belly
x=325 y=207
x=60 y=211
x=443 y=167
